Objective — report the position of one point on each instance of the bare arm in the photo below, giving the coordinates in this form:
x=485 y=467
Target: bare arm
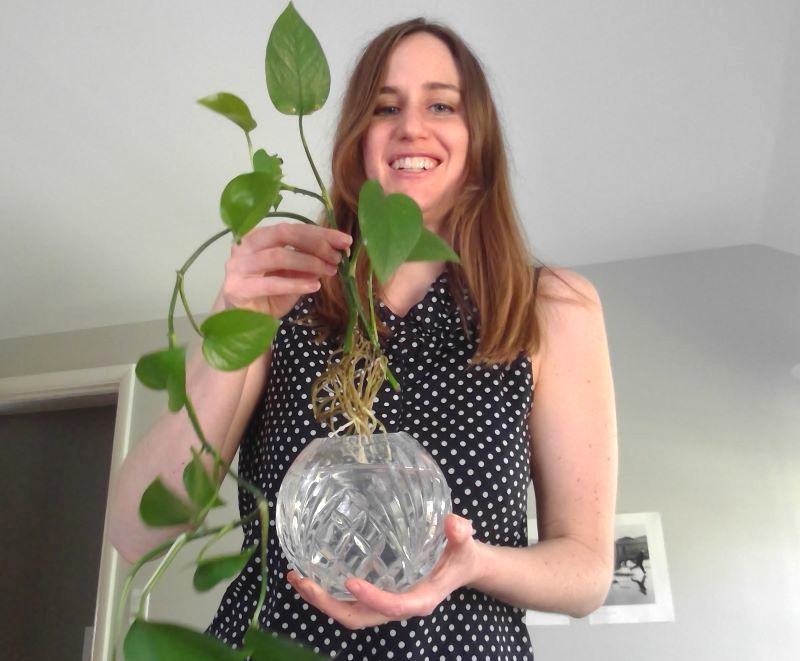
x=224 y=402
x=262 y=274
x=573 y=461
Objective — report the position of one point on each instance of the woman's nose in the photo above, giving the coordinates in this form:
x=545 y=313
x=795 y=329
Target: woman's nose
x=412 y=124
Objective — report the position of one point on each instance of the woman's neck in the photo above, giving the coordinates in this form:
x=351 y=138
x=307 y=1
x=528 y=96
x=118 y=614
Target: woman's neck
x=409 y=284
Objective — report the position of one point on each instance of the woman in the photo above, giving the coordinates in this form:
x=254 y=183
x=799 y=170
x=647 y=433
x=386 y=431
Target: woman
x=504 y=371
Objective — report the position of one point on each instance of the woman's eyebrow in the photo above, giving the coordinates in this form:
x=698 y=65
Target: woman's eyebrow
x=388 y=89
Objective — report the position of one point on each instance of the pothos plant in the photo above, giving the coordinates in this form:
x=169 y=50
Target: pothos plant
x=390 y=233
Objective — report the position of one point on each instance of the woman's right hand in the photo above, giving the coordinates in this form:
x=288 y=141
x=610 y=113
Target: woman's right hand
x=273 y=266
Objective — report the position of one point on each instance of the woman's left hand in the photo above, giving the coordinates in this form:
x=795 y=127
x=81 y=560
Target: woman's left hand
x=457 y=567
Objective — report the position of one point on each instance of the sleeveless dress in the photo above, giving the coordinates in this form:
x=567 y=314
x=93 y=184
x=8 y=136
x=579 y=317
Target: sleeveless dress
x=473 y=420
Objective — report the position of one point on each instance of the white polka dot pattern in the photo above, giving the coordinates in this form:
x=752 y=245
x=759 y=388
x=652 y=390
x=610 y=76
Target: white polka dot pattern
x=474 y=422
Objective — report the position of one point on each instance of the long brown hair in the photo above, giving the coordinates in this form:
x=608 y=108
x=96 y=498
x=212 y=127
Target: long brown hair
x=496 y=267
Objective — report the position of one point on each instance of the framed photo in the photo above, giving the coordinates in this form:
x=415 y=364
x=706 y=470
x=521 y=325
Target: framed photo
x=539 y=618
x=640 y=589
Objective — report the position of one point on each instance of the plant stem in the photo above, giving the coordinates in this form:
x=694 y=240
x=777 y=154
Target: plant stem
x=249 y=146
x=390 y=377
x=351 y=280
x=154 y=553
x=325 y=198
x=186 y=305
x=373 y=329
x=176 y=290
x=215 y=453
x=302 y=191
x=289 y=214
x=177 y=545
x=356 y=254
x=352 y=314
x=263 y=513
x=219 y=535
x=348 y=282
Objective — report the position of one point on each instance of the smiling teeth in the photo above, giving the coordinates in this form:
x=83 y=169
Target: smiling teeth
x=416 y=163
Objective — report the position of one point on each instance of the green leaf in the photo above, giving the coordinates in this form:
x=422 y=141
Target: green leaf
x=161 y=507
x=161 y=641
x=246 y=200
x=232 y=107
x=211 y=571
x=234 y=338
x=198 y=484
x=432 y=248
x=298 y=78
x=268 y=163
x=266 y=647
x=390 y=226
x=165 y=370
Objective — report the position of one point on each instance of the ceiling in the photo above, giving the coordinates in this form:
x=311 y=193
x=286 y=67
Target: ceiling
x=636 y=128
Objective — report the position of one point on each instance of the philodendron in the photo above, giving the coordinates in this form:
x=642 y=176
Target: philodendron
x=390 y=233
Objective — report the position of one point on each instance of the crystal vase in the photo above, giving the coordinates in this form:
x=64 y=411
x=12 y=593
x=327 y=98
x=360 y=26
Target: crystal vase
x=366 y=506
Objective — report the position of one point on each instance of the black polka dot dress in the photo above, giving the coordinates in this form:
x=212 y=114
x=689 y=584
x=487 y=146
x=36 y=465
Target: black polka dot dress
x=474 y=422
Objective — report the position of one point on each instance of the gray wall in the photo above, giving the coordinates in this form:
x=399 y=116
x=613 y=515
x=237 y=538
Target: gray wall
x=709 y=422
x=709 y=417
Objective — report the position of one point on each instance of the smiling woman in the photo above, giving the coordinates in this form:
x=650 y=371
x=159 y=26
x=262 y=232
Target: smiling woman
x=468 y=342
x=499 y=369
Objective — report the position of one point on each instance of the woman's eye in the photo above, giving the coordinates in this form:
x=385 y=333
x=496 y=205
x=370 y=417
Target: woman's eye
x=441 y=108
x=387 y=110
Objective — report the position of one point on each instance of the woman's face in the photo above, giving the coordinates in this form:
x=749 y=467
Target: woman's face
x=417 y=140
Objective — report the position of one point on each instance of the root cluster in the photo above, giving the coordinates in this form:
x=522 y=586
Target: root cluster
x=348 y=387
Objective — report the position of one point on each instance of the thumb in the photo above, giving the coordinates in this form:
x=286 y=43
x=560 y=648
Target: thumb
x=457 y=529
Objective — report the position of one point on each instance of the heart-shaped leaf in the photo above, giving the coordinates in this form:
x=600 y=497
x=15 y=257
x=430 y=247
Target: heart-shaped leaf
x=199 y=485
x=161 y=641
x=266 y=647
x=232 y=107
x=390 y=226
x=246 y=200
x=270 y=164
x=234 y=338
x=298 y=78
x=165 y=370
x=161 y=507
x=211 y=571
x=432 y=248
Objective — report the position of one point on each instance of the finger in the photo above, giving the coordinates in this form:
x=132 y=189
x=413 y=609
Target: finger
x=321 y=241
x=256 y=288
x=457 y=529
x=349 y=613
x=271 y=260
x=418 y=601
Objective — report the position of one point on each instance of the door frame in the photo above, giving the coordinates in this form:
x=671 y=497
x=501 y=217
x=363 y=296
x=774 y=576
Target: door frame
x=51 y=390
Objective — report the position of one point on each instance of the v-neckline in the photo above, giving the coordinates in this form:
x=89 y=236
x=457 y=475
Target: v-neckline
x=432 y=287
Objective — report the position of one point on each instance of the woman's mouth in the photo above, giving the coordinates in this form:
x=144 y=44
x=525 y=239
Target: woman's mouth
x=414 y=163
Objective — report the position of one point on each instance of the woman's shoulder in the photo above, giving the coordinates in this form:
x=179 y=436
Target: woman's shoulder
x=560 y=286
x=568 y=309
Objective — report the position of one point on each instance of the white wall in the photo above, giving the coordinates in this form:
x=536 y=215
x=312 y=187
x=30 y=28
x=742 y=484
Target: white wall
x=638 y=128
x=781 y=224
